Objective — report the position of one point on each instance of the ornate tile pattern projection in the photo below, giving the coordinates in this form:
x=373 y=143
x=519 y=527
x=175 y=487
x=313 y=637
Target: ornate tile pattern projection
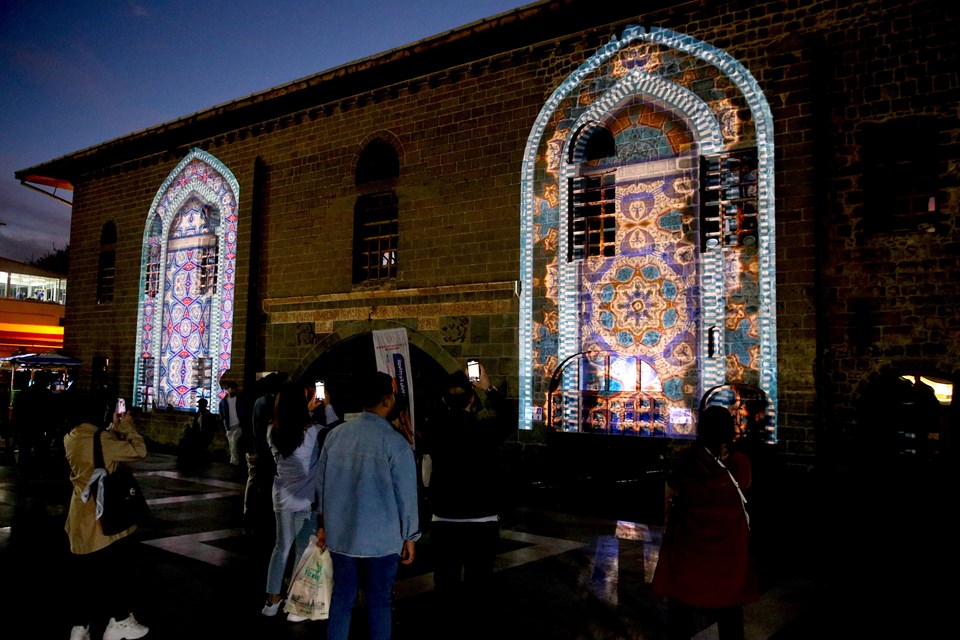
x=684 y=318
x=187 y=286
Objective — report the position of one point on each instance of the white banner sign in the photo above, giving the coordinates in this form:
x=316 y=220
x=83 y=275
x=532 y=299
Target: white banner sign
x=393 y=357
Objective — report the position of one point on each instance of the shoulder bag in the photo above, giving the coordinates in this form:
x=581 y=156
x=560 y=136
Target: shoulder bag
x=123 y=502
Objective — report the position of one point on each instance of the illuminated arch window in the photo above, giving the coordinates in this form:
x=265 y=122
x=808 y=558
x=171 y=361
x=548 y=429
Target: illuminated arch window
x=106 y=263
x=647 y=241
x=187 y=286
x=376 y=214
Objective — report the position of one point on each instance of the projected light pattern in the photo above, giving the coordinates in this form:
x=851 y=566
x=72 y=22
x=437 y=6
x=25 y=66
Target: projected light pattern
x=187 y=285
x=696 y=315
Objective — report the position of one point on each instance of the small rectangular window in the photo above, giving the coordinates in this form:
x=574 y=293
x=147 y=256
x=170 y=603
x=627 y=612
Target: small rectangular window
x=151 y=283
x=208 y=268
x=145 y=394
x=593 y=217
x=106 y=269
x=728 y=200
x=900 y=174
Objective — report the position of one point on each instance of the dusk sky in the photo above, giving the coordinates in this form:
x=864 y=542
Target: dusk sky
x=76 y=73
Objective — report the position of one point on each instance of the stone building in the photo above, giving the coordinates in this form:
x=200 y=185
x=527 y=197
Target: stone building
x=617 y=208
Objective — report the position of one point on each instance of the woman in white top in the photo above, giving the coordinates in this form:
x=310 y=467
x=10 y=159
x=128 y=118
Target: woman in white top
x=295 y=440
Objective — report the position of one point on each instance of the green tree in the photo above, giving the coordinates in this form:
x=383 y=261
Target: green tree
x=57 y=260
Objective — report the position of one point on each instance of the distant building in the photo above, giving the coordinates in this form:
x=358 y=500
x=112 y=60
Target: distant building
x=32 y=303
x=619 y=208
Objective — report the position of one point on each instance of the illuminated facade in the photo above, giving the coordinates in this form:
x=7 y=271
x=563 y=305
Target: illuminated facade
x=621 y=211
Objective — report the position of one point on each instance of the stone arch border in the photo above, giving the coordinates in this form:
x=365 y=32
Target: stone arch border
x=385 y=135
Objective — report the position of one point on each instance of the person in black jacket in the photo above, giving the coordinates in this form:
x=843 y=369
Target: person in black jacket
x=257 y=496
x=464 y=440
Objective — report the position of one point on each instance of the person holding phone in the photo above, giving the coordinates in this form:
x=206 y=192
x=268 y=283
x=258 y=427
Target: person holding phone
x=295 y=439
x=101 y=560
x=463 y=440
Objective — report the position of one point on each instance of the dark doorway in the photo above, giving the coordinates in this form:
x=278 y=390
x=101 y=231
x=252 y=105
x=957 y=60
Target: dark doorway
x=342 y=367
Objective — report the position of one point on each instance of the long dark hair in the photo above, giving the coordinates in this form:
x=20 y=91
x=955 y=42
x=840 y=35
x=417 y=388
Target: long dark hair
x=290 y=419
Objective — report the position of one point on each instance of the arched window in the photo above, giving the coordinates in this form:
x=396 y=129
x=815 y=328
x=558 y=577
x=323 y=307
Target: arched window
x=647 y=240
x=185 y=322
x=106 y=263
x=376 y=214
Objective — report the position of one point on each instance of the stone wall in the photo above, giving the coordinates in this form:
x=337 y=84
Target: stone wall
x=851 y=302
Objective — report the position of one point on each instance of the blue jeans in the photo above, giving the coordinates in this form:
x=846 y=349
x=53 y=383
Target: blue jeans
x=294 y=529
x=376 y=576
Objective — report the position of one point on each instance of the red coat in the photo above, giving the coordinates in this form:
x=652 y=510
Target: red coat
x=704 y=559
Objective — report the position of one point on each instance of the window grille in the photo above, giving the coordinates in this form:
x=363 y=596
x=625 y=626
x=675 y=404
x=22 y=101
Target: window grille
x=376 y=237
x=208 y=269
x=106 y=263
x=728 y=200
x=593 y=216
x=147 y=366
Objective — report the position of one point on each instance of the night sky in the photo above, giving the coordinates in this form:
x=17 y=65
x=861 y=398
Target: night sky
x=76 y=73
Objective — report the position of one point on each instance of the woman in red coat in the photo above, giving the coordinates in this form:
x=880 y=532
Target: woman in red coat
x=704 y=565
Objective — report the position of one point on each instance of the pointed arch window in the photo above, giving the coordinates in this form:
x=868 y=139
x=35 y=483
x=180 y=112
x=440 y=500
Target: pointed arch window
x=185 y=319
x=647 y=240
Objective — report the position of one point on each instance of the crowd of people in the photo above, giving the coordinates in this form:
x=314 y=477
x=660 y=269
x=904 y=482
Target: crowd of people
x=357 y=486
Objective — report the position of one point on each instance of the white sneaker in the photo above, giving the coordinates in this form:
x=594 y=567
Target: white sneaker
x=271 y=609
x=80 y=633
x=128 y=629
x=292 y=617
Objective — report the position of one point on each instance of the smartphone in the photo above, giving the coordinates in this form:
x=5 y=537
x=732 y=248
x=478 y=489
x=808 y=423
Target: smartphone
x=121 y=407
x=473 y=370
x=320 y=390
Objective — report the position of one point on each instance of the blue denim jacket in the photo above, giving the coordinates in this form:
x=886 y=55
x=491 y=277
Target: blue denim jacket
x=367 y=488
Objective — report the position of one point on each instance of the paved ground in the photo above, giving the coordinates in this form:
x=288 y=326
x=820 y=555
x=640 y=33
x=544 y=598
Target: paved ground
x=569 y=569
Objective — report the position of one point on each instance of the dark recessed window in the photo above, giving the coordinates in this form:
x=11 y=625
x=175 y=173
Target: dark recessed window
x=600 y=144
x=106 y=263
x=378 y=161
x=376 y=215
x=900 y=160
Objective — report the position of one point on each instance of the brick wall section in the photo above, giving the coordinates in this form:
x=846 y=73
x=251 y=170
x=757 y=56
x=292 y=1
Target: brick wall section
x=849 y=304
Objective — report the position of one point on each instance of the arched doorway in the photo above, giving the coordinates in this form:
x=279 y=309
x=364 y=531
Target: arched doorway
x=342 y=366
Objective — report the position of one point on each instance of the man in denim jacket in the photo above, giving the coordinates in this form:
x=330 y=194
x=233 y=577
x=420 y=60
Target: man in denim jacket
x=367 y=501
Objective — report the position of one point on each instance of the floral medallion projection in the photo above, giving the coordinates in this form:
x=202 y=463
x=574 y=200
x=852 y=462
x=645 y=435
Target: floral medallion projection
x=642 y=306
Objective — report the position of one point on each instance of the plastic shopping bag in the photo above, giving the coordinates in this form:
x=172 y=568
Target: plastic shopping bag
x=312 y=584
